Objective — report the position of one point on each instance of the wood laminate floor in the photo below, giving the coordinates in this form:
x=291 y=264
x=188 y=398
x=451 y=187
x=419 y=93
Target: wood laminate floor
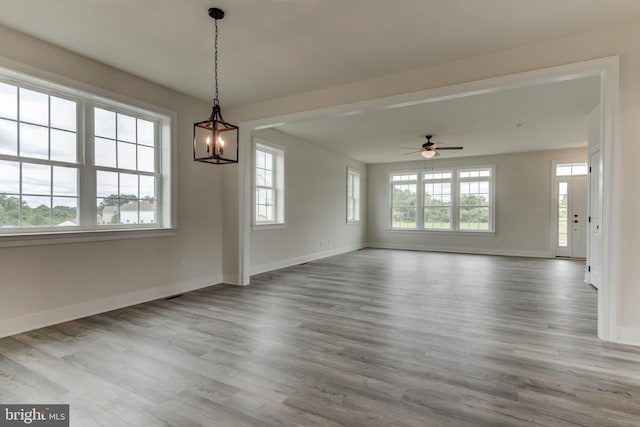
x=369 y=338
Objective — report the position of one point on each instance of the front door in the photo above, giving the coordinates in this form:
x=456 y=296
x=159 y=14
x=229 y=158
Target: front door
x=571 y=214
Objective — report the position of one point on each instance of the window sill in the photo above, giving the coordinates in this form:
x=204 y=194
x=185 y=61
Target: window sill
x=443 y=232
x=276 y=226
x=354 y=222
x=56 y=238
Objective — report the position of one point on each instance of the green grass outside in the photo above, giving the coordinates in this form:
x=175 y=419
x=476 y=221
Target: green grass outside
x=439 y=226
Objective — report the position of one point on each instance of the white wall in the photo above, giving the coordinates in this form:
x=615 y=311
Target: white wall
x=315 y=207
x=47 y=284
x=522 y=211
x=620 y=41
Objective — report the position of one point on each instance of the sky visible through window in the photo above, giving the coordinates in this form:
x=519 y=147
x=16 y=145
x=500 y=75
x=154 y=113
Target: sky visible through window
x=40 y=162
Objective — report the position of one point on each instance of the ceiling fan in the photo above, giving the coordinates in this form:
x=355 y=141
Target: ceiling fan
x=430 y=149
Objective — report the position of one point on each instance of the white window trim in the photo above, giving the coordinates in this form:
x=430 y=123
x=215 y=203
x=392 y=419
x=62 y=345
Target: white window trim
x=279 y=176
x=358 y=199
x=455 y=200
x=31 y=77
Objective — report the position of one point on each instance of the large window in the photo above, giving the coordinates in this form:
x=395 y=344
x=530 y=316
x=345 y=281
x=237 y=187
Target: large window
x=454 y=199
x=437 y=200
x=475 y=199
x=73 y=161
x=353 y=195
x=268 y=185
x=404 y=200
x=126 y=170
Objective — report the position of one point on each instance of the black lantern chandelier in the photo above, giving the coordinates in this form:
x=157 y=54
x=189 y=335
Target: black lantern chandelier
x=215 y=140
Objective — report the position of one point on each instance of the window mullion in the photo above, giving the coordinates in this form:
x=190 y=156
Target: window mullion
x=420 y=201
x=87 y=168
x=455 y=201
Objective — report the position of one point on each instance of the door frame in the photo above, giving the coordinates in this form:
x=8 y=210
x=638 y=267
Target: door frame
x=608 y=70
x=593 y=180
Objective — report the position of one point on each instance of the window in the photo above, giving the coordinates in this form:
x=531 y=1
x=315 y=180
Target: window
x=571 y=169
x=269 y=185
x=73 y=161
x=563 y=207
x=474 y=199
x=353 y=195
x=404 y=200
x=437 y=200
x=456 y=199
x=126 y=171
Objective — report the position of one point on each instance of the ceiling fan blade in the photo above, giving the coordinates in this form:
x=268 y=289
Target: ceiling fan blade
x=449 y=148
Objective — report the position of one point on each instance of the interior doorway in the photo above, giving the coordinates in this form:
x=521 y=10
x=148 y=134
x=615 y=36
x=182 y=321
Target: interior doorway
x=606 y=68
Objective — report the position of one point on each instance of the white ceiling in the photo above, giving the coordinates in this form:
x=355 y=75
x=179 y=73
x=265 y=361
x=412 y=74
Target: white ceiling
x=275 y=48
x=542 y=117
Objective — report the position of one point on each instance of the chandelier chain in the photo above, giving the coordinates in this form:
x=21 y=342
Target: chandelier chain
x=215 y=55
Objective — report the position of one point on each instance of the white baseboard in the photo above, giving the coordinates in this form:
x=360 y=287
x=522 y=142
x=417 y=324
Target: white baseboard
x=630 y=336
x=41 y=319
x=263 y=268
x=462 y=250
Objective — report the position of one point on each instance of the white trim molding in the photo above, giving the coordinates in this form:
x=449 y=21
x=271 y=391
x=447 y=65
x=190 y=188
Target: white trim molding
x=461 y=250
x=42 y=319
x=263 y=268
x=630 y=336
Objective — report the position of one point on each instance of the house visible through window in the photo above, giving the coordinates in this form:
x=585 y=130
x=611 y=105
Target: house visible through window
x=269 y=185
x=443 y=200
x=353 y=195
x=69 y=161
x=126 y=172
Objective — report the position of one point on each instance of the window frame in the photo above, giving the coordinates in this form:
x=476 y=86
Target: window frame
x=455 y=200
x=87 y=97
x=453 y=219
x=278 y=185
x=409 y=181
x=353 y=196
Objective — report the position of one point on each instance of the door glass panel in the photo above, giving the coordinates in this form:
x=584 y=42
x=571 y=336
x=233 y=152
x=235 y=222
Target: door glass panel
x=563 y=230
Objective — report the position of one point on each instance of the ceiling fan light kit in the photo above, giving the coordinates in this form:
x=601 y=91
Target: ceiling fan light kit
x=430 y=149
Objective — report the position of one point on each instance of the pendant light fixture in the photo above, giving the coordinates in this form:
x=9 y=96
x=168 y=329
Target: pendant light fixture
x=215 y=140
